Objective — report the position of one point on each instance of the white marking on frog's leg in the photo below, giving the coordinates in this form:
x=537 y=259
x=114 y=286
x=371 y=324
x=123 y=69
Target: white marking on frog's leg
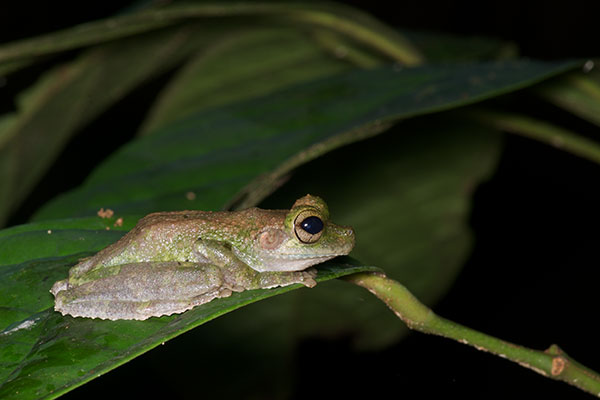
x=28 y=323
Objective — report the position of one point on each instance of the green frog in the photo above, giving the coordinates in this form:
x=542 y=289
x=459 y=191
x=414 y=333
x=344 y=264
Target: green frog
x=171 y=262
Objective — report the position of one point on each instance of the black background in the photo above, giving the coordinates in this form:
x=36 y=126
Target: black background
x=533 y=276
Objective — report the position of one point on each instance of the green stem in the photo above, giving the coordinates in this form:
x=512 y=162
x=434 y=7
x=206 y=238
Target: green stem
x=552 y=363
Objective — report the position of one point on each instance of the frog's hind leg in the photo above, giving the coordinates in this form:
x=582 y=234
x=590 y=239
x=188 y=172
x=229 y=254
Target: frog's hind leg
x=143 y=290
x=120 y=309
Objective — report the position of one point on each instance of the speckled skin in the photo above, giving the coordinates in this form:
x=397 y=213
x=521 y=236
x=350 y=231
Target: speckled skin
x=173 y=261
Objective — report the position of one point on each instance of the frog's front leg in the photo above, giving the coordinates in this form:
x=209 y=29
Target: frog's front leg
x=240 y=276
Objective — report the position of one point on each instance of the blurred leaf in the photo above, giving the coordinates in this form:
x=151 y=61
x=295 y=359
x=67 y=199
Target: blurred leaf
x=272 y=58
x=203 y=160
x=343 y=47
x=336 y=17
x=540 y=130
x=69 y=96
x=578 y=92
x=45 y=354
x=445 y=47
x=9 y=67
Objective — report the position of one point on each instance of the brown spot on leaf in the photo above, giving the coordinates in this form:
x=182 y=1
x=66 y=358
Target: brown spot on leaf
x=190 y=196
x=108 y=213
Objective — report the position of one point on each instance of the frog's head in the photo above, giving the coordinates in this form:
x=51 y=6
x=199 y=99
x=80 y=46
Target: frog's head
x=295 y=240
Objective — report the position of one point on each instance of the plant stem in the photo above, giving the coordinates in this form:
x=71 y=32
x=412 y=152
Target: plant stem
x=552 y=363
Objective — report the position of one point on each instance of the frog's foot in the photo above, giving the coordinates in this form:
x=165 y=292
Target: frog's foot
x=59 y=286
x=273 y=279
x=309 y=277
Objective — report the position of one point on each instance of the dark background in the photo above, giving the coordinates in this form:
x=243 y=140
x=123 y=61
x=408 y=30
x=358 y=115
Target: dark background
x=533 y=275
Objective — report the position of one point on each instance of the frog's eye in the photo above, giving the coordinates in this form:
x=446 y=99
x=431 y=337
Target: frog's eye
x=308 y=227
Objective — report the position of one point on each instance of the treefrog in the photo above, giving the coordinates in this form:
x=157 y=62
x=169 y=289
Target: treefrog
x=171 y=262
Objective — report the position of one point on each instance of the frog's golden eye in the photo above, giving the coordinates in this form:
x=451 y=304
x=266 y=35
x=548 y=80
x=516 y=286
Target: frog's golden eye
x=308 y=227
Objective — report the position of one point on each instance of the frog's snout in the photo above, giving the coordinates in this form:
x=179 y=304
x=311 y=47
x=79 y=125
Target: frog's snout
x=348 y=232
x=340 y=239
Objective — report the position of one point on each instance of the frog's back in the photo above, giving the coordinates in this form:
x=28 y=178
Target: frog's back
x=172 y=234
x=147 y=228
x=174 y=217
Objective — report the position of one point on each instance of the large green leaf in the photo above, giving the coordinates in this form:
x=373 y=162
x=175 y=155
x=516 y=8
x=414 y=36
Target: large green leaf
x=45 y=354
x=215 y=153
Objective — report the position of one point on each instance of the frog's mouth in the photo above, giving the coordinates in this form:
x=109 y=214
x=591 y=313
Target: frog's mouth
x=293 y=262
x=296 y=258
x=305 y=256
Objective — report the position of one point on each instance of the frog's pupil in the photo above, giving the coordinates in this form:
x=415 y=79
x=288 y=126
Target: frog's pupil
x=312 y=225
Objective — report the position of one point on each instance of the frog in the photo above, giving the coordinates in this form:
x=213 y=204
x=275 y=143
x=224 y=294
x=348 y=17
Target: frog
x=171 y=262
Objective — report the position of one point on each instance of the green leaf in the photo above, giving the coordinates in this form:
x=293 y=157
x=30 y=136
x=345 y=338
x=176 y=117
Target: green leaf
x=336 y=17
x=202 y=161
x=9 y=67
x=45 y=354
x=272 y=58
x=49 y=239
x=540 y=130
x=445 y=47
x=578 y=92
x=31 y=139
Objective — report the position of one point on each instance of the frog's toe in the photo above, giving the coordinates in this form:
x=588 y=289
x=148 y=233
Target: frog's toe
x=308 y=277
x=59 y=286
x=312 y=272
